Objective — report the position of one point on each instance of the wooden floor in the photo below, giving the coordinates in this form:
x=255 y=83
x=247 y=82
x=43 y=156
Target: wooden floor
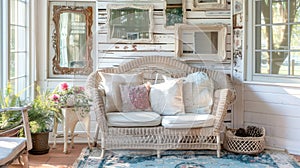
x=57 y=159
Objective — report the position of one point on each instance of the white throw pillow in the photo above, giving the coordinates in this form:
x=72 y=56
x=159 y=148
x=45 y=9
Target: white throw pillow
x=166 y=98
x=111 y=83
x=198 y=91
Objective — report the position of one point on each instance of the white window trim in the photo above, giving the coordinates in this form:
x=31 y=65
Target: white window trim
x=4 y=46
x=250 y=52
x=4 y=4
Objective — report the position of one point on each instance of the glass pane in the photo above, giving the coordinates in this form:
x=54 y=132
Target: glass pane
x=280 y=37
x=21 y=61
x=13 y=12
x=262 y=62
x=294 y=11
x=21 y=13
x=13 y=65
x=262 y=12
x=278 y=63
x=17 y=65
x=261 y=38
x=129 y=23
x=13 y=38
x=295 y=64
x=280 y=11
x=21 y=39
x=295 y=38
x=206 y=42
x=173 y=16
x=72 y=39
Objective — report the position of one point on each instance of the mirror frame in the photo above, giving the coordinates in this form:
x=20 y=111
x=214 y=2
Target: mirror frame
x=219 y=4
x=88 y=67
x=180 y=29
x=148 y=7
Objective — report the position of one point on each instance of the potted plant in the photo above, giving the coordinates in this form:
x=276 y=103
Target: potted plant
x=66 y=96
x=42 y=114
x=8 y=120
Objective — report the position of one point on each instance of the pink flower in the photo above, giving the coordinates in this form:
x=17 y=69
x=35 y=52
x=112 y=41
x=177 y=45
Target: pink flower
x=55 y=97
x=64 y=86
x=81 y=88
x=78 y=89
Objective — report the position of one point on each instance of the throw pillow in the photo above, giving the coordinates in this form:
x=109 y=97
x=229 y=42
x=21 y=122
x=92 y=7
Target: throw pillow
x=198 y=91
x=135 y=98
x=166 y=98
x=111 y=83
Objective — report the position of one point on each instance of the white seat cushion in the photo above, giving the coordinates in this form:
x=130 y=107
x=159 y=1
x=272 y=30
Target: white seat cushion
x=188 y=120
x=10 y=147
x=133 y=119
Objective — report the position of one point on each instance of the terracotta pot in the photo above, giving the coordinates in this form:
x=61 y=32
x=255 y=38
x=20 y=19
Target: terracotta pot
x=40 y=143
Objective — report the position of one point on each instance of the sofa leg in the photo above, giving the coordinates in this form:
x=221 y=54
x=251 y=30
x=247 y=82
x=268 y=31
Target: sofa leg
x=102 y=153
x=218 y=146
x=158 y=154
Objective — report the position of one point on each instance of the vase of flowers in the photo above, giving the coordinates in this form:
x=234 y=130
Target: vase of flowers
x=65 y=96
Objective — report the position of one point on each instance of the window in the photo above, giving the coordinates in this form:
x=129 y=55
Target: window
x=15 y=45
x=274 y=52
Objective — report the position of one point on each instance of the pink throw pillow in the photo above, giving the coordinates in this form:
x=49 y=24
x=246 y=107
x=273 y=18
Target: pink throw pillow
x=135 y=98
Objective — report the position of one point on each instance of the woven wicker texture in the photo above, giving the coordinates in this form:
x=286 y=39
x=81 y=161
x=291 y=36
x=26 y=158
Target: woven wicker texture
x=159 y=138
x=244 y=145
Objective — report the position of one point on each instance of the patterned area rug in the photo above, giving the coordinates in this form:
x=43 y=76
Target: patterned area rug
x=183 y=159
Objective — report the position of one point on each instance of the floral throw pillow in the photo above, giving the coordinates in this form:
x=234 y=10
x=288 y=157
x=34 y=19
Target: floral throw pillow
x=135 y=98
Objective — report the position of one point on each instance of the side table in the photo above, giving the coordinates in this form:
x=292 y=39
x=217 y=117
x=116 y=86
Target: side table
x=71 y=116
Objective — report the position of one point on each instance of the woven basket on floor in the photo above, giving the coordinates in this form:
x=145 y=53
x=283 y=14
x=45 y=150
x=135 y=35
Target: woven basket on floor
x=244 y=145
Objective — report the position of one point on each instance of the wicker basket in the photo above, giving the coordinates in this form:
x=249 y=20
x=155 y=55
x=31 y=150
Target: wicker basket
x=244 y=145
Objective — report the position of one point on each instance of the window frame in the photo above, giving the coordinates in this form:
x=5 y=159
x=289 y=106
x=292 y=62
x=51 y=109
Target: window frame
x=6 y=50
x=250 y=63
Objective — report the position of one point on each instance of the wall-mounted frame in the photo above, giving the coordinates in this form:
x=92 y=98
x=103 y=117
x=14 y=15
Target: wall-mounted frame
x=200 y=42
x=70 y=39
x=209 y=4
x=130 y=23
x=174 y=12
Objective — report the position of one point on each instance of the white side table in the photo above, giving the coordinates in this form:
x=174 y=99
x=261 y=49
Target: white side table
x=71 y=116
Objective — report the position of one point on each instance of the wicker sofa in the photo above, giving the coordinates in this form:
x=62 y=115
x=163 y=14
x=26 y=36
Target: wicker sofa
x=158 y=137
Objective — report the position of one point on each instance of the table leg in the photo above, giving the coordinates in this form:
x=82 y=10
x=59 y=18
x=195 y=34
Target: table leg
x=66 y=130
x=55 y=133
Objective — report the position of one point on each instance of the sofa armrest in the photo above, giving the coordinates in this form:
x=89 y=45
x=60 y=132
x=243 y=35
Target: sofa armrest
x=97 y=95
x=222 y=98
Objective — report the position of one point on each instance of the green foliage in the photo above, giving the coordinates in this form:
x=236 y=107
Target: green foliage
x=43 y=112
x=9 y=98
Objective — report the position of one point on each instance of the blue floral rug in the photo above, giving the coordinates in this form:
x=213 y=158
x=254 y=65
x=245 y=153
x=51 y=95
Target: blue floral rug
x=183 y=159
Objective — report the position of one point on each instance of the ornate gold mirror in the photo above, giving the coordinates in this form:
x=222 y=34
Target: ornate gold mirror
x=72 y=40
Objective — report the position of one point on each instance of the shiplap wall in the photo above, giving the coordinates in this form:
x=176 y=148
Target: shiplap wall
x=276 y=108
x=111 y=54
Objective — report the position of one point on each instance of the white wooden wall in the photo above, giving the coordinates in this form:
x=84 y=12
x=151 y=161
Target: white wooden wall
x=111 y=54
x=277 y=109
